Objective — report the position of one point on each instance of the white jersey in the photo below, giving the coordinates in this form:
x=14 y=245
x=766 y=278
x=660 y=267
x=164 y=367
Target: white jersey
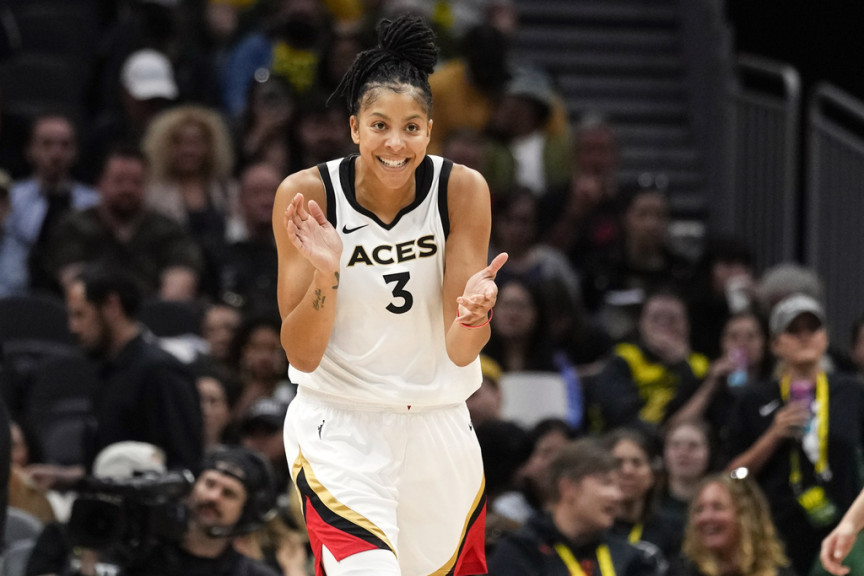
x=387 y=345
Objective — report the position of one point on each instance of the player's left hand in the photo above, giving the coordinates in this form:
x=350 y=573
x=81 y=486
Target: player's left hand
x=480 y=294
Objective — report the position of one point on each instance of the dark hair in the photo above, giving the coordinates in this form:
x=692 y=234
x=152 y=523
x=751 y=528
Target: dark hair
x=248 y=325
x=576 y=460
x=101 y=282
x=406 y=54
x=257 y=476
x=123 y=150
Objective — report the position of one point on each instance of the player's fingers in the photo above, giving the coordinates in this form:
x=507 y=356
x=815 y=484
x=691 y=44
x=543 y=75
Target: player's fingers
x=317 y=213
x=496 y=264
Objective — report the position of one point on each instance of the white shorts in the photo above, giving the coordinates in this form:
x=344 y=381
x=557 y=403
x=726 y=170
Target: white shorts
x=406 y=480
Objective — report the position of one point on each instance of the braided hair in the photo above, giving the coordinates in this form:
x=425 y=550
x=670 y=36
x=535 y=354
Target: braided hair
x=406 y=54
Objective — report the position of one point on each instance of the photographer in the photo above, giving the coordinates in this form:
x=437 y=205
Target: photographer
x=142 y=526
x=233 y=494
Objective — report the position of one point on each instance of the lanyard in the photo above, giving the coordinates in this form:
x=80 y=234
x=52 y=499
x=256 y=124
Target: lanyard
x=821 y=466
x=604 y=559
x=635 y=533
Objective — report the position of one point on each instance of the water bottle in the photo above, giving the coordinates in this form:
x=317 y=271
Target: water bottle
x=738 y=377
x=804 y=392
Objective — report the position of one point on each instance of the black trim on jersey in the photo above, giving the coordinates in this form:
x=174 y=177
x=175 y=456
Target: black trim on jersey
x=333 y=519
x=422 y=181
x=443 y=211
x=331 y=193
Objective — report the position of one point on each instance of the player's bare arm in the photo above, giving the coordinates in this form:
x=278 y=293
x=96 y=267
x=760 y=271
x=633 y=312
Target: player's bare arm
x=469 y=284
x=309 y=249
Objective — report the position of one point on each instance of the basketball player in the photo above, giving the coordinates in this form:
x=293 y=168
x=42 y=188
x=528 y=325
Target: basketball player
x=386 y=300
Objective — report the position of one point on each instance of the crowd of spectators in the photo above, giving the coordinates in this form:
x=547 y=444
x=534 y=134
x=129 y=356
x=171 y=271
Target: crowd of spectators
x=159 y=187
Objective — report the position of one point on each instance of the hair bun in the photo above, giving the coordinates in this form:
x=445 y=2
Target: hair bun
x=410 y=38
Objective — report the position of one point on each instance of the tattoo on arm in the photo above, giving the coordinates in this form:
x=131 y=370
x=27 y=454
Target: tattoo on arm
x=334 y=287
x=318 y=302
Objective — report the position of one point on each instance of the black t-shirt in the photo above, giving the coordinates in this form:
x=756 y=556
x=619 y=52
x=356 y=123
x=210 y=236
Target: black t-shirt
x=172 y=560
x=754 y=414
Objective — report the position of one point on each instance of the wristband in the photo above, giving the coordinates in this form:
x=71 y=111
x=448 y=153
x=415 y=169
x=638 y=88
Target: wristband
x=488 y=319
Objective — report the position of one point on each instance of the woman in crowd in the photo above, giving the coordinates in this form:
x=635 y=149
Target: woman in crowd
x=730 y=532
x=687 y=452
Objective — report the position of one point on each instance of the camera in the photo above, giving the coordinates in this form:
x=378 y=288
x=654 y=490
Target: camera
x=125 y=518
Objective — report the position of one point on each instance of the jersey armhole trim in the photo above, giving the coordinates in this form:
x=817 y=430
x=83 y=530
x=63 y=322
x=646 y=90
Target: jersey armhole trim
x=443 y=205
x=324 y=170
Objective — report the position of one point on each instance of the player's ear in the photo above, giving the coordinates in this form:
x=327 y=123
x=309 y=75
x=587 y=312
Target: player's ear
x=355 y=129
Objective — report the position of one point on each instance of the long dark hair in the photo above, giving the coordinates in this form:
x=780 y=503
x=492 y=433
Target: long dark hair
x=406 y=54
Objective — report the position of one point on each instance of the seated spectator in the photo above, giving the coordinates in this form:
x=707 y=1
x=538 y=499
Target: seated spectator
x=648 y=379
x=38 y=202
x=638 y=518
x=729 y=531
x=617 y=281
x=723 y=284
x=248 y=267
x=218 y=329
x=519 y=121
x=120 y=232
x=262 y=133
x=259 y=361
x=797 y=434
x=147 y=86
x=478 y=151
x=218 y=390
x=687 y=459
x=318 y=132
x=261 y=431
x=24 y=493
x=573 y=537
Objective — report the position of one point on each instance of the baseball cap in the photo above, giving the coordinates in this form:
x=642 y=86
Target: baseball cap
x=788 y=309
x=148 y=74
x=122 y=460
x=533 y=84
x=490 y=368
x=265 y=412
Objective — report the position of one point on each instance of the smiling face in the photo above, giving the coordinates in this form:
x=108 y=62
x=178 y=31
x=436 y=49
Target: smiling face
x=715 y=520
x=634 y=470
x=392 y=132
x=593 y=500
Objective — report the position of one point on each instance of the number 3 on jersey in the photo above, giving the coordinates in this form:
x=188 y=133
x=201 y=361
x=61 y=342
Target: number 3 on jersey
x=400 y=279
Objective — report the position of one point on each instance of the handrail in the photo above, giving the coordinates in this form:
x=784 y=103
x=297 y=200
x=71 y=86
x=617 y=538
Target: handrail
x=772 y=69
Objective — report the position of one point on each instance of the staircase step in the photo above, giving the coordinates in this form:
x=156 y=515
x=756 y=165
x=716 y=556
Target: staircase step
x=605 y=86
x=561 y=61
x=631 y=110
x=609 y=11
x=569 y=37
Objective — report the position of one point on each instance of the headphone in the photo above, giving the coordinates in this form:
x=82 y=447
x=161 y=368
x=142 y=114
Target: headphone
x=258 y=478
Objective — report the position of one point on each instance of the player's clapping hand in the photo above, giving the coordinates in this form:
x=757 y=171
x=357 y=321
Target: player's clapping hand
x=312 y=235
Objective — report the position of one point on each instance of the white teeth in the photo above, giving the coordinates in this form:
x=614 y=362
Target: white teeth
x=393 y=163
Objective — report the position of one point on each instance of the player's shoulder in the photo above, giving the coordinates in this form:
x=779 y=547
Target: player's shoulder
x=465 y=181
x=307 y=182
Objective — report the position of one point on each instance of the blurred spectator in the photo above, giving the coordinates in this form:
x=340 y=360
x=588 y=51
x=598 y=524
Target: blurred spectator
x=723 y=284
x=279 y=546
x=520 y=340
x=514 y=230
x=616 y=281
x=5 y=203
x=291 y=46
x=856 y=352
x=638 y=518
x=262 y=131
x=687 y=459
x=248 y=267
x=218 y=328
x=53 y=552
x=519 y=122
x=744 y=362
x=476 y=150
x=147 y=86
x=259 y=360
x=573 y=537
x=319 y=132
x=217 y=389
x=530 y=493
x=147 y=395
x=122 y=233
x=346 y=41
x=484 y=404
x=799 y=433
x=596 y=153
x=38 y=202
x=191 y=159
x=648 y=379
x=261 y=431
x=729 y=531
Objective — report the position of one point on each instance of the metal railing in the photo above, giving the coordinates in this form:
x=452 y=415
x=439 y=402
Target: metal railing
x=834 y=243
x=761 y=202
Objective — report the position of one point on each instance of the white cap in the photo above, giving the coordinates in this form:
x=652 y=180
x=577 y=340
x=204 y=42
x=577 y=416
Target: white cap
x=122 y=460
x=148 y=74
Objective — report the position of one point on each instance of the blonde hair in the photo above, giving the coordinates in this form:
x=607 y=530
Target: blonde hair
x=760 y=552
x=158 y=141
